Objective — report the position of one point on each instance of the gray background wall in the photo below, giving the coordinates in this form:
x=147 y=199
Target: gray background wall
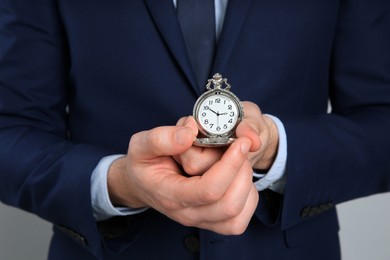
x=365 y=231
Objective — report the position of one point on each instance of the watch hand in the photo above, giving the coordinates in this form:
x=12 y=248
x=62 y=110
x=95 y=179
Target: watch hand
x=214 y=112
x=223 y=114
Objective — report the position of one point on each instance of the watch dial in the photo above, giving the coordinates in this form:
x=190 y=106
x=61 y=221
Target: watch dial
x=218 y=114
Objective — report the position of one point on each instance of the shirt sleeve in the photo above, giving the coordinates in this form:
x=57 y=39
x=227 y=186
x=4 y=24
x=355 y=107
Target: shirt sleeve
x=275 y=178
x=101 y=203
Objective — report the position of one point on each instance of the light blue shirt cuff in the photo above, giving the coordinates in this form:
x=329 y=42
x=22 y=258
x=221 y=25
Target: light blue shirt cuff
x=101 y=203
x=275 y=179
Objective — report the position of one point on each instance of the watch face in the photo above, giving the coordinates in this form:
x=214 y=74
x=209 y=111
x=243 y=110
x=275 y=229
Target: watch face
x=217 y=113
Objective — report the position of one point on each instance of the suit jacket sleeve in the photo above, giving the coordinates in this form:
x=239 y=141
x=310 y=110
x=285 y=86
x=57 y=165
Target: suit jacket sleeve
x=343 y=155
x=40 y=170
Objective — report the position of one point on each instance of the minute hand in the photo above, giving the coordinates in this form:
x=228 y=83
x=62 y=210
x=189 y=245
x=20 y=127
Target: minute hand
x=214 y=112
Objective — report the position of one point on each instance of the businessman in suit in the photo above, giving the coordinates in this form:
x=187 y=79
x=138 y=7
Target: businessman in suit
x=78 y=80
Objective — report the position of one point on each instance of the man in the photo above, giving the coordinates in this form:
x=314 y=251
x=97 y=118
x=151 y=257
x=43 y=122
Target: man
x=79 y=80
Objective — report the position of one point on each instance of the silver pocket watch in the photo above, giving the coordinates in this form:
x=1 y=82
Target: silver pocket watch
x=217 y=112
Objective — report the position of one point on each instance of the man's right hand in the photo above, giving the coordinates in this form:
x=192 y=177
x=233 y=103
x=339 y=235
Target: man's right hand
x=222 y=199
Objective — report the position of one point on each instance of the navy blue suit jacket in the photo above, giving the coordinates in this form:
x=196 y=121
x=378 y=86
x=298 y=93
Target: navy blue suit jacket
x=78 y=78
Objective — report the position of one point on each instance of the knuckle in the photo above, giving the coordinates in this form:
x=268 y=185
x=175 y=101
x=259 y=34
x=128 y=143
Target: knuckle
x=191 y=167
x=232 y=210
x=237 y=228
x=210 y=195
x=185 y=222
x=154 y=138
x=186 y=219
x=169 y=205
x=134 y=140
x=189 y=220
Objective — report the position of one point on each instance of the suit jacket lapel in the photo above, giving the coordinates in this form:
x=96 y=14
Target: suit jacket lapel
x=164 y=15
x=236 y=13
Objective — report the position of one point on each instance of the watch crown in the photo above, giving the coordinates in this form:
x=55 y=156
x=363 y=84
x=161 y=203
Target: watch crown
x=218 y=82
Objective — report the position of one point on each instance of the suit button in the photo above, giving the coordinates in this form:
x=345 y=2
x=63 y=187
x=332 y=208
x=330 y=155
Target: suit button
x=192 y=244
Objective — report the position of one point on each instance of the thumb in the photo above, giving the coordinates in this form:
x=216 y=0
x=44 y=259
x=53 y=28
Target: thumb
x=161 y=141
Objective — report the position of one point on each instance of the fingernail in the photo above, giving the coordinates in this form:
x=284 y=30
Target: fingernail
x=245 y=146
x=186 y=122
x=182 y=135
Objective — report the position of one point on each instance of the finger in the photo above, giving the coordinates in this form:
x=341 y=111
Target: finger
x=197 y=160
x=229 y=206
x=181 y=121
x=235 y=198
x=248 y=129
x=251 y=109
x=238 y=224
x=190 y=122
x=210 y=187
x=161 y=141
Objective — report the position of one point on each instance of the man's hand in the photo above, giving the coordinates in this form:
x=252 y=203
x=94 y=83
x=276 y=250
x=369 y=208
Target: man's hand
x=263 y=133
x=222 y=199
x=260 y=129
